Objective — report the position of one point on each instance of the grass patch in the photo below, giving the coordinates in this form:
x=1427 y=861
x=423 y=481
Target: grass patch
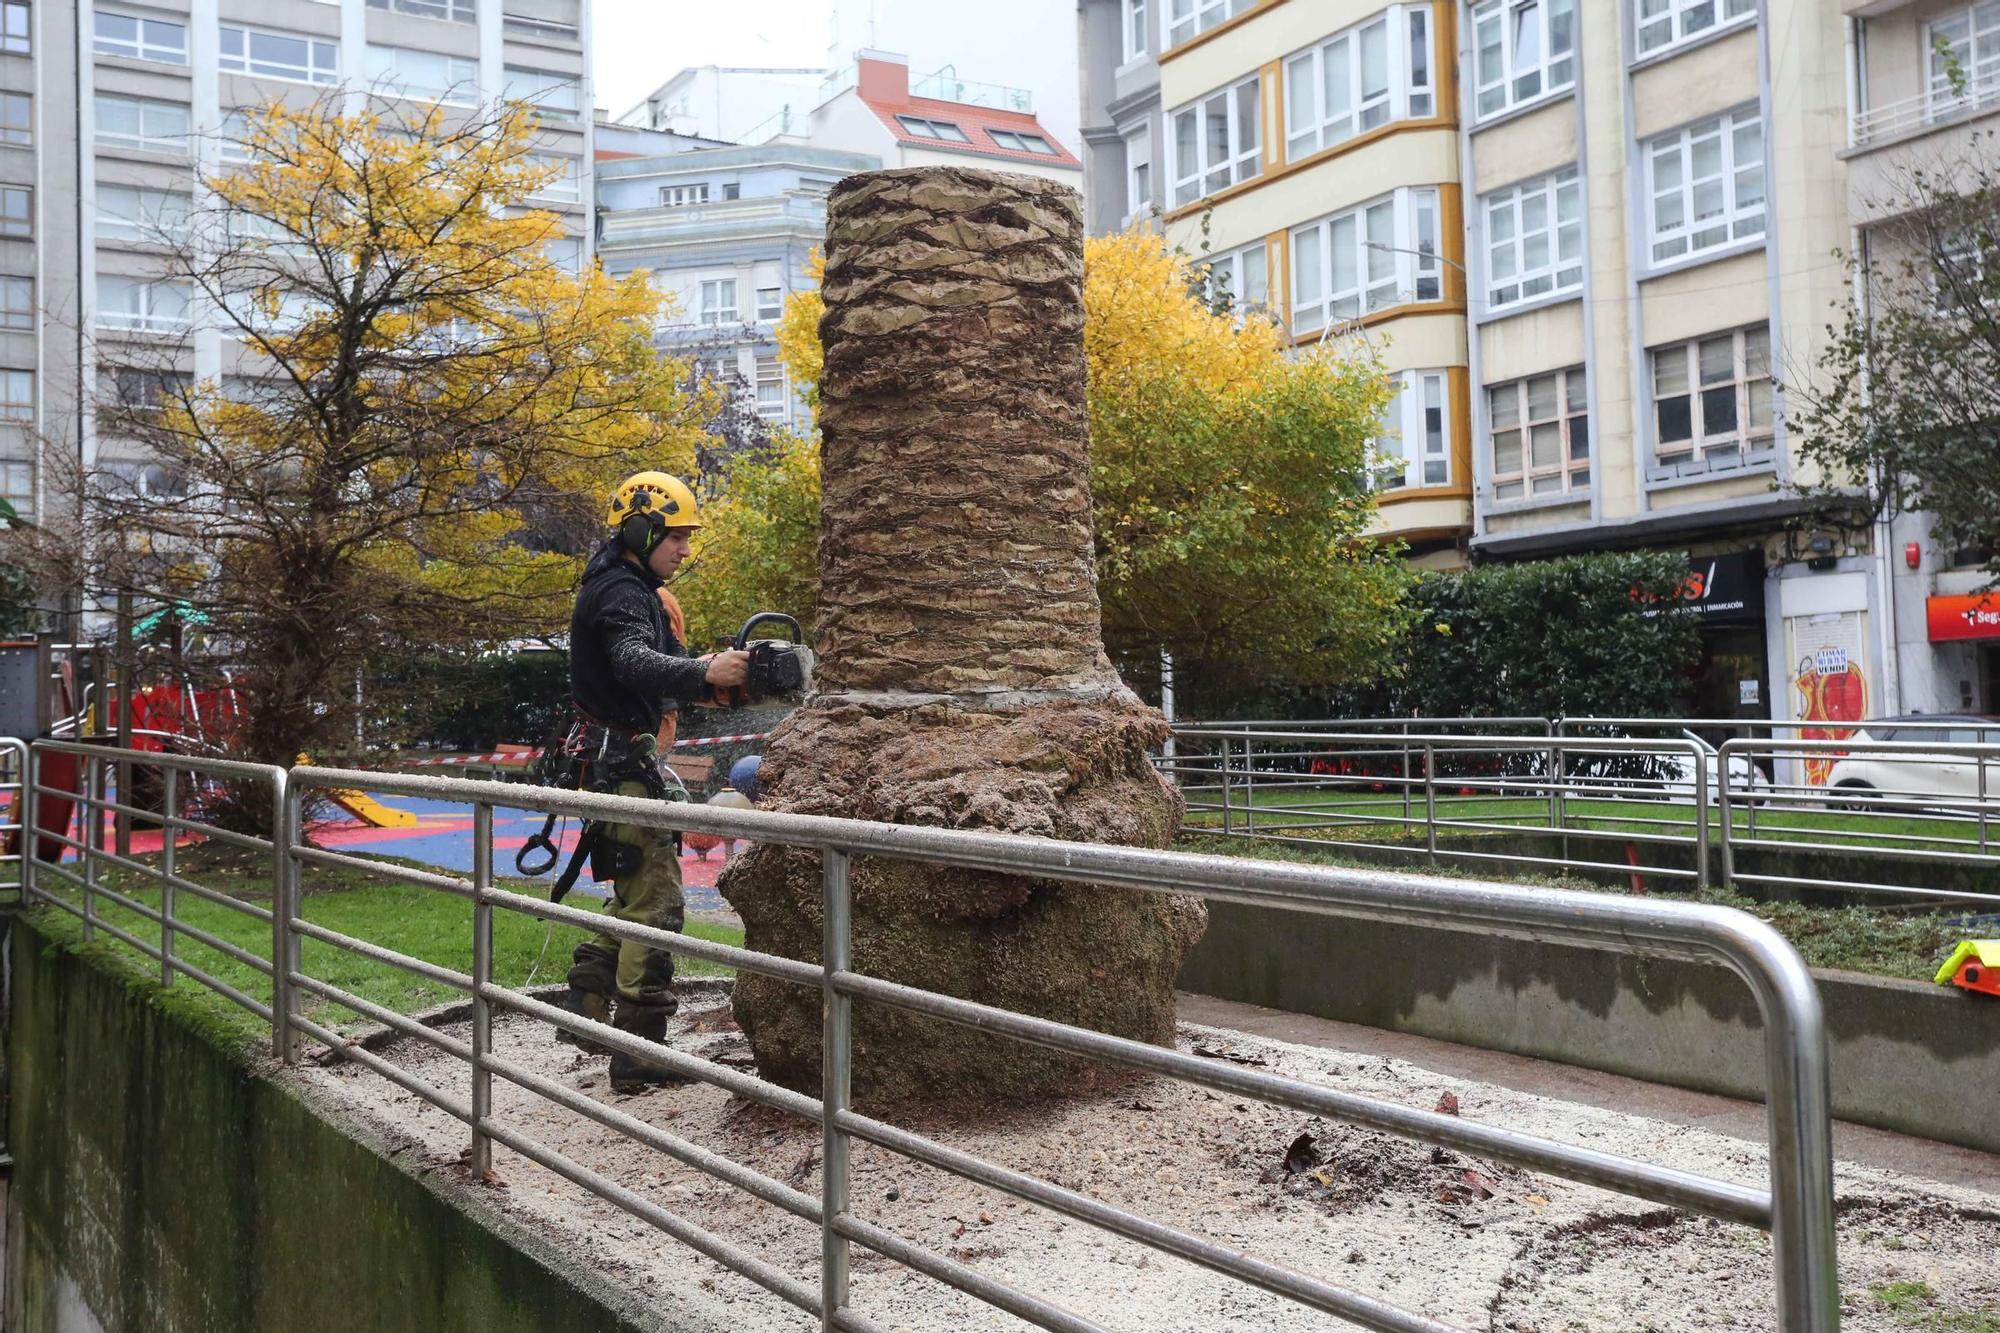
x=1911 y=1302
x=422 y=923
x=1879 y=941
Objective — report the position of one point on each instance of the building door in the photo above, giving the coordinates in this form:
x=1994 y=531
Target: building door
x=1989 y=677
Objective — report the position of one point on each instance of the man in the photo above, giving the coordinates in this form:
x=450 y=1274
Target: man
x=628 y=669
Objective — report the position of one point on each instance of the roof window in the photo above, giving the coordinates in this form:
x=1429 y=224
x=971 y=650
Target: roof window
x=932 y=129
x=1022 y=143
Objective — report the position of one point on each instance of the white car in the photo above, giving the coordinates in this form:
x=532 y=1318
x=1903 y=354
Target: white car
x=1668 y=773
x=1943 y=777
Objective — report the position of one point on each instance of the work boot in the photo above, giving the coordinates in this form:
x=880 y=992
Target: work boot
x=631 y=1075
x=585 y=1004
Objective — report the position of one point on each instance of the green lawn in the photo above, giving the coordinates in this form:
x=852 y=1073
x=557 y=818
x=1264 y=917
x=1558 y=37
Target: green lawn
x=422 y=923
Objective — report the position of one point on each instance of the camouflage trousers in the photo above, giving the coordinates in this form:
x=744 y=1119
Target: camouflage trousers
x=650 y=895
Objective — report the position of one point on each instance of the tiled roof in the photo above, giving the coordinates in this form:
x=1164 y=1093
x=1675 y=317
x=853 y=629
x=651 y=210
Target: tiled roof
x=978 y=123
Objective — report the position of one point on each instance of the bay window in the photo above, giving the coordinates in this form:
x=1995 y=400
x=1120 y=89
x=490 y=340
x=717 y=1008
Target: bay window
x=1706 y=183
x=1366 y=259
x=1522 y=49
x=1359 y=79
x=1239 y=280
x=1712 y=399
x=1414 y=447
x=1534 y=239
x=1539 y=435
x=1186 y=18
x=1215 y=142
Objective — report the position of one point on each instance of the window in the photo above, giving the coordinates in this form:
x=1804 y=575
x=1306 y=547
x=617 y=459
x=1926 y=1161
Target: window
x=1138 y=172
x=141 y=304
x=770 y=303
x=128 y=213
x=772 y=400
x=458 y=11
x=269 y=311
x=1021 y=143
x=14 y=29
x=557 y=96
x=17 y=483
x=731 y=190
x=1134 y=28
x=1958 y=266
x=1185 y=18
x=718 y=301
x=566 y=253
x=1964 y=52
x=1215 y=142
x=1367 y=259
x=1362 y=78
x=1534 y=239
x=1414 y=448
x=17 y=118
x=1664 y=22
x=1540 y=430
x=279 y=55
x=932 y=129
x=17 y=395
x=134 y=391
x=1707 y=185
x=1240 y=280
x=1522 y=49
x=132 y=122
x=1712 y=398
x=540 y=29
x=17 y=212
x=563 y=187
x=681 y=196
x=138 y=38
x=424 y=76
x=17 y=303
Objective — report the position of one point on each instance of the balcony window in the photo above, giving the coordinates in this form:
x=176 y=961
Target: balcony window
x=136 y=122
x=1358 y=80
x=15 y=28
x=279 y=55
x=1712 y=399
x=556 y=96
x=718 y=301
x=1188 y=18
x=1964 y=58
x=17 y=303
x=130 y=213
x=1414 y=447
x=683 y=196
x=932 y=129
x=424 y=76
x=1534 y=239
x=17 y=119
x=1216 y=142
x=142 y=305
x=1662 y=23
x=1539 y=434
x=137 y=38
x=1522 y=50
x=17 y=212
x=1707 y=185
x=457 y=11
x=1366 y=259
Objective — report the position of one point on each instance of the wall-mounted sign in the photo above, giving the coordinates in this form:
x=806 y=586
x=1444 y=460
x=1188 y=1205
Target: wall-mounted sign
x=1726 y=587
x=1976 y=616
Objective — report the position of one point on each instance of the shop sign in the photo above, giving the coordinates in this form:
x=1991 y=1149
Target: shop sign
x=1726 y=587
x=1974 y=616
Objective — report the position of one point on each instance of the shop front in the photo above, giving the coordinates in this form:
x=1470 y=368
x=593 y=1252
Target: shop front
x=1964 y=631
x=1733 y=679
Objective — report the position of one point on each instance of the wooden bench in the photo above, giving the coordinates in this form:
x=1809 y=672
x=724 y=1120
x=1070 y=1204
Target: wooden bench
x=695 y=770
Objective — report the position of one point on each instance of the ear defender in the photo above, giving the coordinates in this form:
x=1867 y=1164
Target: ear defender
x=640 y=533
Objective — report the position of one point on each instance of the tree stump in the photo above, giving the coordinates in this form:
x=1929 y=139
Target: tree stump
x=962 y=680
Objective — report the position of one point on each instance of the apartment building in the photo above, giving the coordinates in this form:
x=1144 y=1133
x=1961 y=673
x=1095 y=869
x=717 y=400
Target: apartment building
x=1589 y=240
x=727 y=231
x=1924 y=92
x=111 y=110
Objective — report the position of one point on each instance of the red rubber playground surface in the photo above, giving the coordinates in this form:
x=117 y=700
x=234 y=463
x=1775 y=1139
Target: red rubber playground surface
x=442 y=837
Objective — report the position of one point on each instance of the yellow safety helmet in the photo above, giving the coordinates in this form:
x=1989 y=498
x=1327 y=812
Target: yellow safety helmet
x=645 y=505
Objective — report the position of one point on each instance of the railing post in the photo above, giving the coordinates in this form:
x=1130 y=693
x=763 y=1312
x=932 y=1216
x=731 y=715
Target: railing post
x=1224 y=742
x=836 y=1080
x=1701 y=808
x=283 y=894
x=92 y=821
x=482 y=976
x=1729 y=819
x=1430 y=802
x=31 y=823
x=1982 y=802
x=1249 y=786
x=1559 y=773
x=168 y=809
x=1405 y=747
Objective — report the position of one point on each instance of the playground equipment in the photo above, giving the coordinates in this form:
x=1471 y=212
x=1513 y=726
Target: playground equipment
x=365 y=807
x=1974 y=965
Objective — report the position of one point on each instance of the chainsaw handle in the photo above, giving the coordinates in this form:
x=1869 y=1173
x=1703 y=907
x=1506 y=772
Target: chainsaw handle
x=772 y=618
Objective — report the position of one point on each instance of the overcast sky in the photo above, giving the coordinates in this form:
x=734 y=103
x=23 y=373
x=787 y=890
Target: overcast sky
x=640 y=44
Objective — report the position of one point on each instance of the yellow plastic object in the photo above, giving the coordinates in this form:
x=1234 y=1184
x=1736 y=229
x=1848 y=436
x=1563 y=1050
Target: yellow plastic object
x=365 y=807
x=1986 y=951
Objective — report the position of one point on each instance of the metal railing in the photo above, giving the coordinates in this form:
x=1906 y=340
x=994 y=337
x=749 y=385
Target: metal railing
x=1796 y=1205
x=1979 y=92
x=14 y=847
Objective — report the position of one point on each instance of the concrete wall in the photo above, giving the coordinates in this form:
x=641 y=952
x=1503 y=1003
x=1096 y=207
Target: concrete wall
x=162 y=1184
x=1906 y=1056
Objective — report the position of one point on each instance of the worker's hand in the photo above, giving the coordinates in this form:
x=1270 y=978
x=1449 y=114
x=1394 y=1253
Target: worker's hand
x=727 y=670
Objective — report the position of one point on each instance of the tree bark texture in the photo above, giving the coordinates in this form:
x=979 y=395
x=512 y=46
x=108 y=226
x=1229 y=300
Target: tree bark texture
x=962 y=680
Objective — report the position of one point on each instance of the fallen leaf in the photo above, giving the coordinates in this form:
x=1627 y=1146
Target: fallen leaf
x=1538 y=1201
x=1322 y=1177
x=1448 y=1104
x=1480 y=1184
x=985 y=1218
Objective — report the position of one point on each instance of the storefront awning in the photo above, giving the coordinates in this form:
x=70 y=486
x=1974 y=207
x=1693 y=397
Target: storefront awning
x=1974 y=616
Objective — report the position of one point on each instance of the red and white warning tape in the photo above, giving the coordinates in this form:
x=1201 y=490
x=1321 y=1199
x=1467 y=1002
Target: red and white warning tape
x=529 y=756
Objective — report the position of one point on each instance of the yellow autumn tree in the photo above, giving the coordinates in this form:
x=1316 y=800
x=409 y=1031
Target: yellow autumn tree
x=1227 y=468
x=421 y=383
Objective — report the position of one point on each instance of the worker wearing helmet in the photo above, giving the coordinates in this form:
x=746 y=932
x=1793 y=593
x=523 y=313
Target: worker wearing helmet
x=628 y=670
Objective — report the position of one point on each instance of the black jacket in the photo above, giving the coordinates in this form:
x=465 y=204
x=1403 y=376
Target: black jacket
x=626 y=668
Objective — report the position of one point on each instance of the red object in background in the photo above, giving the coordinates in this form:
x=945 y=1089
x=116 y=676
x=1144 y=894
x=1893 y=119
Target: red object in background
x=1913 y=555
x=1974 y=616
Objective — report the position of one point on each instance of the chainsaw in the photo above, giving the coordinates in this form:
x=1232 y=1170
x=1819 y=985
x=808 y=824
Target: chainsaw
x=779 y=668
